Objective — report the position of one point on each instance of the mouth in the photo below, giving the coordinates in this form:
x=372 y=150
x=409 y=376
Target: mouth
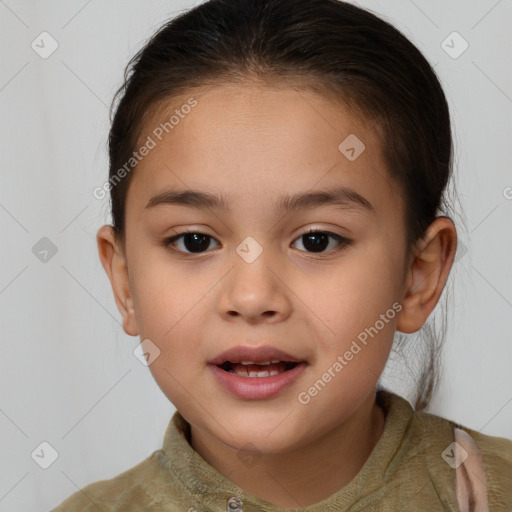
x=256 y=375
x=251 y=369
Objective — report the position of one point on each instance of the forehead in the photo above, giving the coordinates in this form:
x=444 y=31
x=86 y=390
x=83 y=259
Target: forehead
x=252 y=142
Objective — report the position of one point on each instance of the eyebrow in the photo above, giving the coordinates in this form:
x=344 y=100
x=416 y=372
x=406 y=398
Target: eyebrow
x=342 y=197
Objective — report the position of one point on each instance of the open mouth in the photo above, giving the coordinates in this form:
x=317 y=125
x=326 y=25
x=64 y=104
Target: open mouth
x=251 y=369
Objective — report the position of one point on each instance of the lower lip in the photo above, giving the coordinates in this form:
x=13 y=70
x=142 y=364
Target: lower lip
x=256 y=388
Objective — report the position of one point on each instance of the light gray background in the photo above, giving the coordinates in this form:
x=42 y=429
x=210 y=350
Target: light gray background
x=67 y=372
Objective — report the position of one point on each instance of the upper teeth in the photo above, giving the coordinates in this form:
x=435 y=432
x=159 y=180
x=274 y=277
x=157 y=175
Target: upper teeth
x=264 y=363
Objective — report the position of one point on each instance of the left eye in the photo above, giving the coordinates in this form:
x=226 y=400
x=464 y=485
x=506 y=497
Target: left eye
x=318 y=241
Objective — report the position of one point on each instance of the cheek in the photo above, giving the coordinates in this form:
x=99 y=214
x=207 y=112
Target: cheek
x=162 y=292
x=369 y=312
x=173 y=312
x=353 y=294
x=170 y=308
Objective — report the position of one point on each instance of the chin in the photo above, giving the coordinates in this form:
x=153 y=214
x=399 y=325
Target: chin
x=261 y=433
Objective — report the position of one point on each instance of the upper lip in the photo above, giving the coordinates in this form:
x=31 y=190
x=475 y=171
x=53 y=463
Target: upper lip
x=256 y=354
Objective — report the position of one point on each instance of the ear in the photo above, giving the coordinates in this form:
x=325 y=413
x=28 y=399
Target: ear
x=113 y=259
x=427 y=273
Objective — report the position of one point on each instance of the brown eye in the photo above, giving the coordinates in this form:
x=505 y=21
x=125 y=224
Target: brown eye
x=318 y=241
x=189 y=242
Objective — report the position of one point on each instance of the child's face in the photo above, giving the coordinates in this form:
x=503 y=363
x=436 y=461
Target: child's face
x=255 y=145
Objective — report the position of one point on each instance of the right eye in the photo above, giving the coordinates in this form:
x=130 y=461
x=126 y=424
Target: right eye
x=191 y=242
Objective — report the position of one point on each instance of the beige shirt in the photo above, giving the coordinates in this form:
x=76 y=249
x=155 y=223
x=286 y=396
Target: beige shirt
x=422 y=462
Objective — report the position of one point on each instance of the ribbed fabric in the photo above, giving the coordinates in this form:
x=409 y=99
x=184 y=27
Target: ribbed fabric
x=406 y=471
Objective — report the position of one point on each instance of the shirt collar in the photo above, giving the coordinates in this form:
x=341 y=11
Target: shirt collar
x=212 y=491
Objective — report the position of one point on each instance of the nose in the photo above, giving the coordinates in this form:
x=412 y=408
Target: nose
x=255 y=292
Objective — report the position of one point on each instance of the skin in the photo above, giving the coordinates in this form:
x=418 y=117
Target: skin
x=253 y=144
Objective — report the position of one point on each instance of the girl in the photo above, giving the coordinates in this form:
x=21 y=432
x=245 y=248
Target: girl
x=277 y=176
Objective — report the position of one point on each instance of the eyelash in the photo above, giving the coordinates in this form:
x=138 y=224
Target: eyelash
x=342 y=241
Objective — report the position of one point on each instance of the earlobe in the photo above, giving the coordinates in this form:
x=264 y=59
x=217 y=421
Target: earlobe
x=114 y=262
x=427 y=274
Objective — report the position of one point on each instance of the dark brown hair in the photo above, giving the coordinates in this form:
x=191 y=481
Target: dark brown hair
x=330 y=46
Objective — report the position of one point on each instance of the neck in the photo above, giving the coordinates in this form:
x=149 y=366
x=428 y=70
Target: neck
x=307 y=474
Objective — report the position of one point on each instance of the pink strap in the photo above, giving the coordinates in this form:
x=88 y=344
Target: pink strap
x=470 y=483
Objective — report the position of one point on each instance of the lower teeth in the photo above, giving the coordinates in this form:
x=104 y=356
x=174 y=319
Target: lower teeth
x=255 y=374
x=255 y=371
